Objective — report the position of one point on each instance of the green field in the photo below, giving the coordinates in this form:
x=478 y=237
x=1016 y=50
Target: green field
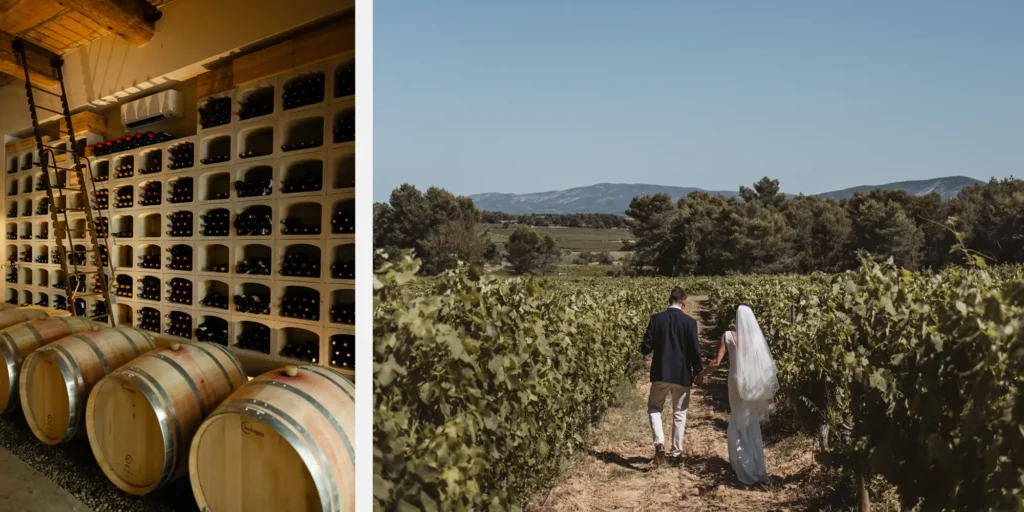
x=571 y=239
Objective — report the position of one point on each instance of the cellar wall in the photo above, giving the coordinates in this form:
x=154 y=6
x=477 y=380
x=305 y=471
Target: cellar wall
x=191 y=36
x=35 y=282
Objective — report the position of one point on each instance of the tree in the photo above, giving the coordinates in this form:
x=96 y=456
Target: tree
x=453 y=242
x=766 y=192
x=700 y=238
x=883 y=229
x=819 y=235
x=992 y=217
x=757 y=239
x=528 y=252
x=651 y=220
x=441 y=227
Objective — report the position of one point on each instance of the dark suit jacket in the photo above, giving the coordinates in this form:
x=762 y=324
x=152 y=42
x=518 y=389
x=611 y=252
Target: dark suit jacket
x=672 y=336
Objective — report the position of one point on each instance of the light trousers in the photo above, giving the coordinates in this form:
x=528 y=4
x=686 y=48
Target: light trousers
x=680 y=402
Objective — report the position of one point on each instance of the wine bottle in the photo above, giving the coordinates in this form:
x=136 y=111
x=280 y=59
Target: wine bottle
x=181 y=224
x=181 y=191
x=294 y=226
x=299 y=264
x=215 y=222
x=125 y=197
x=180 y=258
x=150 y=194
x=342 y=351
x=253 y=187
x=254 y=337
x=259 y=103
x=344 y=221
x=215 y=300
x=303 y=91
x=149 y=319
x=345 y=80
x=311 y=181
x=304 y=305
x=181 y=156
x=255 y=304
x=215 y=112
x=214 y=330
x=343 y=314
x=345 y=127
x=180 y=291
x=179 y=324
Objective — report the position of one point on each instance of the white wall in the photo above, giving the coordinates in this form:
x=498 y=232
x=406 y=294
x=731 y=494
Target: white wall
x=191 y=33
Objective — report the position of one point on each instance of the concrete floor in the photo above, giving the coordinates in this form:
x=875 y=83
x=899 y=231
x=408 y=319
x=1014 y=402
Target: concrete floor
x=27 y=490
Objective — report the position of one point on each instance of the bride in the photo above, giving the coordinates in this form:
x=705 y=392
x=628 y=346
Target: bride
x=752 y=386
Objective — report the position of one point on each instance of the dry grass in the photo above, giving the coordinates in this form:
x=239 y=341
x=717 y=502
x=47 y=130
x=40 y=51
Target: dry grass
x=616 y=471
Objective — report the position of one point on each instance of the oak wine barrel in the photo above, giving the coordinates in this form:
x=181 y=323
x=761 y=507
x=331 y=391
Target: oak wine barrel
x=18 y=341
x=283 y=441
x=9 y=317
x=141 y=418
x=56 y=379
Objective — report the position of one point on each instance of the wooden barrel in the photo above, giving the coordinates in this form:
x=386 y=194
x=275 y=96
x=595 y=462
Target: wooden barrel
x=56 y=379
x=48 y=310
x=9 y=317
x=142 y=416
x=283 y=441
x=17 y=341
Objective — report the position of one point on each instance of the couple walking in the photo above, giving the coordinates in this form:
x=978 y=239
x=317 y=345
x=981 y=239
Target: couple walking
x=672 y=336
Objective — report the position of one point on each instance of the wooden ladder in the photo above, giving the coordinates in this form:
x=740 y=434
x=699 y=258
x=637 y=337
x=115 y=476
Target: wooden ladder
x=73 y=262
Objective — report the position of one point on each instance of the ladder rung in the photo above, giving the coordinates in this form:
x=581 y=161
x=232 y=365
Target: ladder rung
x=103 y=315
x=36 y=87
x=48 y=109
x=55 y=148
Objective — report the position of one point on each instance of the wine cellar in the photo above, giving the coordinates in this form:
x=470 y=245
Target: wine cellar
x=242 y=232
x=180 y=254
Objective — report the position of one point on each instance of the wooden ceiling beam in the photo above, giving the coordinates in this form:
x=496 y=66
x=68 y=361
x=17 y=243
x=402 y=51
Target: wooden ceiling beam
x=17 y=16
x=39 y=69
x=133 y=20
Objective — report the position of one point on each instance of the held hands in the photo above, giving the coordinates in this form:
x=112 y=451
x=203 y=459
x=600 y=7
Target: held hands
x=699 y=380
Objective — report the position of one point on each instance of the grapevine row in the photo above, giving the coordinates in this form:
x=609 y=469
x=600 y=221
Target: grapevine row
x=914 y=377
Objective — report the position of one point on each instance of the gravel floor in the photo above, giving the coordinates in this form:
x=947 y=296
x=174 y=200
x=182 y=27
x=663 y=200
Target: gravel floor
x=73 y=467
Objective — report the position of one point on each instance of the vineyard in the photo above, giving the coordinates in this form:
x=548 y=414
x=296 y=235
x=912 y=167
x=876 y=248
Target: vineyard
x=484 y=386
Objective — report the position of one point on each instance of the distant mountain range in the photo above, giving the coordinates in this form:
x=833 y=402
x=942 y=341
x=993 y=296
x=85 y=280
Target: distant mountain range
x=615 y=197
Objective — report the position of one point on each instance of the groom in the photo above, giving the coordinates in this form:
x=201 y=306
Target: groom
x=672 y=336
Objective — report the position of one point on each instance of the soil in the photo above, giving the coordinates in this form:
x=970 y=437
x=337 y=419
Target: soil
x=616 y=470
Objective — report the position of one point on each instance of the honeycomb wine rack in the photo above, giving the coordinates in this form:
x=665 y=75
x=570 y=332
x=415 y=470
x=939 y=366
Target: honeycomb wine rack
x=320 y=142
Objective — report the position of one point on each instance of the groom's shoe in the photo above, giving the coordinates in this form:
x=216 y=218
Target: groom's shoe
x=659 y=455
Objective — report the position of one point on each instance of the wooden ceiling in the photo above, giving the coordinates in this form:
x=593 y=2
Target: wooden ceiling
x=60 y=26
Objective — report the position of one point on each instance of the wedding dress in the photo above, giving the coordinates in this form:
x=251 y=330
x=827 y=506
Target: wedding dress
x=752 y=386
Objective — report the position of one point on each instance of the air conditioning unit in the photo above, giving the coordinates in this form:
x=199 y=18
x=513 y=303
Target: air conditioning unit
x=152 y=109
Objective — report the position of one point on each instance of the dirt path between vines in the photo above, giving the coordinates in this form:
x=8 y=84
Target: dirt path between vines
x=616 y=471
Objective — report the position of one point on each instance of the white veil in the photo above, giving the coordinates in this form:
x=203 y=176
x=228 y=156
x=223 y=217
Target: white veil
x=756 y=379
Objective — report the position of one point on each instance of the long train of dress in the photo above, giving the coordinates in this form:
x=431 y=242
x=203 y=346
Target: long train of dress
x=746 y=449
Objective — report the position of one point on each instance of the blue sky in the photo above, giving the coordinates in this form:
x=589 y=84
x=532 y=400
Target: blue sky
x=533 y=95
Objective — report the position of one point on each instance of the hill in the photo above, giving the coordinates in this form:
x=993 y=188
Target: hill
x=615 y=197
x=946 y=187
